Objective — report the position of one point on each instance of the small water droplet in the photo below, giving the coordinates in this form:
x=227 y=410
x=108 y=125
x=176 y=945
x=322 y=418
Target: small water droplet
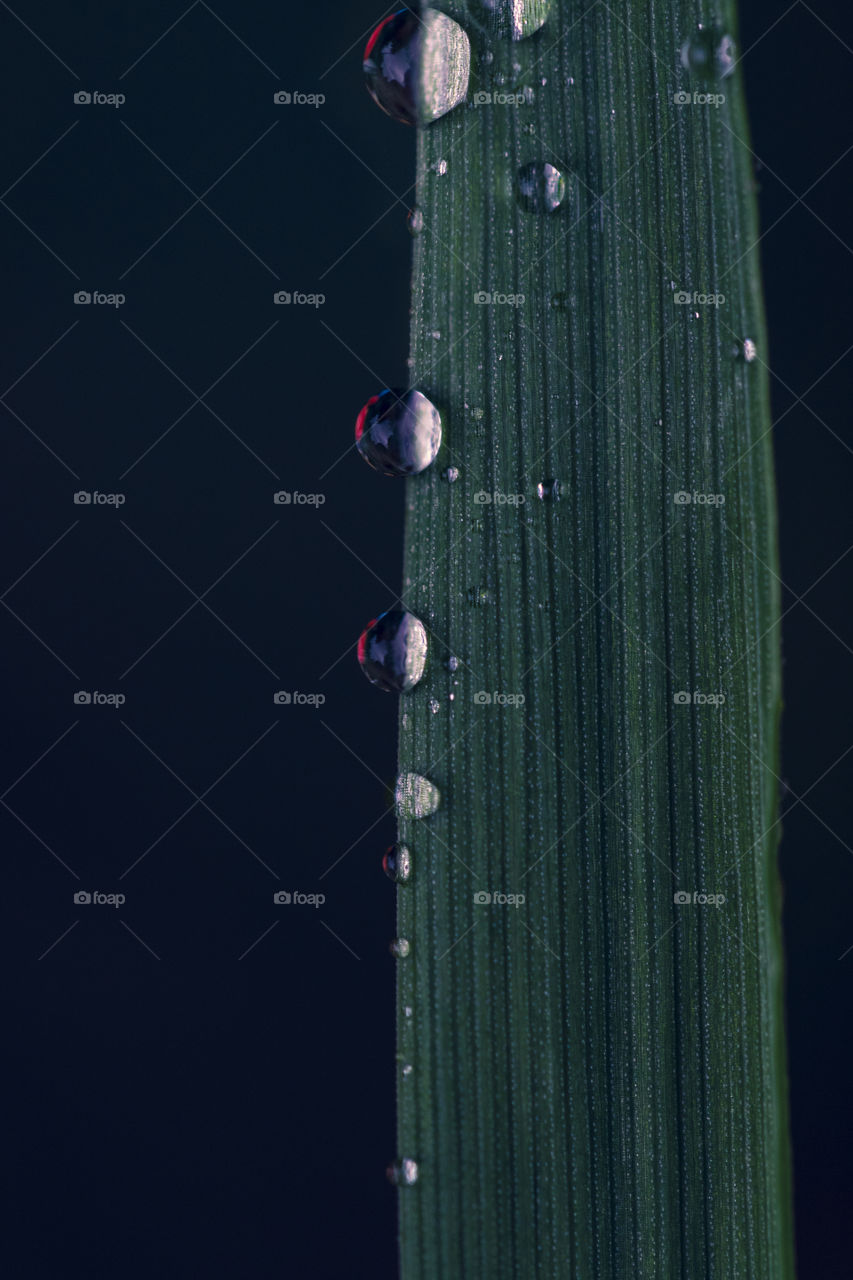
x=398 y=432
x=548 y=490
x=435 y=333
x=750 y=350
x=570 y=81
x=450 y=474
x=452 y=663
x=518 y=19
x=441 y=167
x=434 y=706
x=451 y=696
x=477 y=413
x=415 y=796
x=709 y=53
x=415 y=221
x=408 y=1011
x=403 y=1173
x=541 y=187
x=392 y=651
x=397 y=863
x=417 y=65
x=399 y=948
x=407 y=1069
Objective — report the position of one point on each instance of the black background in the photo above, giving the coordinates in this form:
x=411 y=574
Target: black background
x=201 y=1082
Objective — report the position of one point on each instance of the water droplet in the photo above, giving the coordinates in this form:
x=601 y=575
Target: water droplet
x=392 y=651
x=451 y=696
x=450 y=474
x=452 y=663
x=435 y=333
x=750 y=350
x=441 y=167
x=415 y=221
x=518 y=19
x=434 y=706
x=399 y=948
x=415 y=796
x=408 y=1011
x=417 y=66
x=477 y=413
x=710 y=53
x=403 y=1173
x=570 y=81
x=407 y=1069
x=548 y=490
x=397 y=863
x=398 y=432
x=541 y=187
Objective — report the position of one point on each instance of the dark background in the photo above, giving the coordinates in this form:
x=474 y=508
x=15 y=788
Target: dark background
x=201 y=1082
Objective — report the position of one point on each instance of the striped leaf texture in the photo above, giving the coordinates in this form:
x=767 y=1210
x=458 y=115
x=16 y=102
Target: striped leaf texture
x=591 y=1069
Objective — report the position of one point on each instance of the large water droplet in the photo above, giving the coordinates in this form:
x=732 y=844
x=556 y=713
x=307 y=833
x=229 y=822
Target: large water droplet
x=415 y=221
x=403 y=1173
x=417 y=66
x=709 y=53
x=518 y=19
x=398 y=432
x=541 y=187
x=399 y=948
x=392 y=651
x=397 y=863
x=415 y=796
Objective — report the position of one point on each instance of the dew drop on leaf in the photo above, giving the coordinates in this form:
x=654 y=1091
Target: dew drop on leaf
x=392 y=651
x=397 y=863
x=518 y=19
x=415 y=796
x=399 y=948
x=398 y=432
x=403 y=1173
x=417 y=65
x=415 y=221
x=548 y=490
x=709 y=53
x=541 y=188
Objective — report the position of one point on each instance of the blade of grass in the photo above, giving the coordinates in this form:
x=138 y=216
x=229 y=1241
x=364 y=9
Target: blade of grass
x=597 y=1079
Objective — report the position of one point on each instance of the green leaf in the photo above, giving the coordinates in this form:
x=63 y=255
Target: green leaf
x=592 y=1081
